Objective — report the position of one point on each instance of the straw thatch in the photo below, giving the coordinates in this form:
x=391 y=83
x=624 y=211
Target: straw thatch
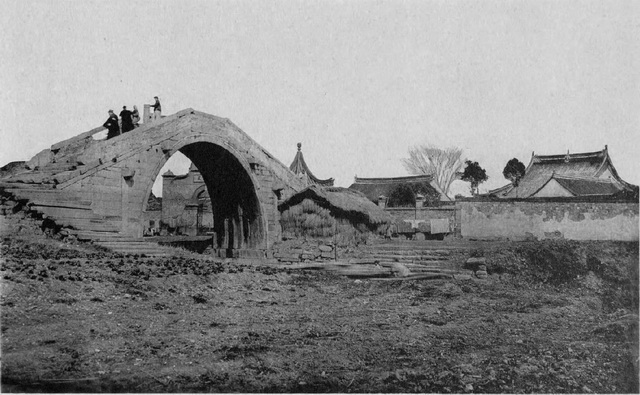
x=331 y=212
x=341 y=202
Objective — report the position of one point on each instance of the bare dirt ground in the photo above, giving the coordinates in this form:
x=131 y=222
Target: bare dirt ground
x=76 y=318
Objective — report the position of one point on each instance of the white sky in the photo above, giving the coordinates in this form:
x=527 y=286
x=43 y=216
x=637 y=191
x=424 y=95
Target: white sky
x=357 y=82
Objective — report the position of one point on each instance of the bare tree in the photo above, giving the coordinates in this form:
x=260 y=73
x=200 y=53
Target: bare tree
x=443 y=164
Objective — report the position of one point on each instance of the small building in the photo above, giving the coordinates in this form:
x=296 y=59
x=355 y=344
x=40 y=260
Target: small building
x=589 y=174
x=332 y=213
x=152 y=216
x=379 y=190
x=186 y=205
x=300 y=168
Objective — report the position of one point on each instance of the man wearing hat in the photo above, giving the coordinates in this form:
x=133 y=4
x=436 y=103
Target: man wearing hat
x=157 y=109
x=112 y=125
x=127 y=121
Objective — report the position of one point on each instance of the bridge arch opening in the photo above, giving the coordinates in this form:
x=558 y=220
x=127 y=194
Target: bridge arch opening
x=217 y=197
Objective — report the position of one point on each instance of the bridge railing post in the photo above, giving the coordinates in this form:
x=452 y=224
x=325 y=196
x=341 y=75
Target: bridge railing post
x=146 y=113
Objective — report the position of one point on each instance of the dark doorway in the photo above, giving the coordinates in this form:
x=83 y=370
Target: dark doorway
x=237 y=220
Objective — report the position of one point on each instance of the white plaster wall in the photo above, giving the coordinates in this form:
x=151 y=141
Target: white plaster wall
x=553 y=188
x=508 y=220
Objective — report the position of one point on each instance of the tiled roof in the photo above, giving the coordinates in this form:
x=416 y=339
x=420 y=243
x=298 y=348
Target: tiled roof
x=503 y=190
x=376 y=187
x=587 y=187
x=299 y=166
x=588 y=165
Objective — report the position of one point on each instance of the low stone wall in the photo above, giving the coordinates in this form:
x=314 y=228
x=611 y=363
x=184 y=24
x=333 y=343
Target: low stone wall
x=303 y=251
x=399 y=214
x=544 y=219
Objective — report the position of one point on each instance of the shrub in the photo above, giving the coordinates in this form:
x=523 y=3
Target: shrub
x=621 y=276
x=553 y=261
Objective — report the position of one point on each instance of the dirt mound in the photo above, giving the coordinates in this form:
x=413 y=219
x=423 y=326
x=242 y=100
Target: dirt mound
x=76 y=318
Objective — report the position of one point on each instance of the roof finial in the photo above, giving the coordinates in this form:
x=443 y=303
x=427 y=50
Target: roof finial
x=299 y=146
x=567 y=157
x=605 y=147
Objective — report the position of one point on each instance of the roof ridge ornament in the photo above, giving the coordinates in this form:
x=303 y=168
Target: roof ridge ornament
x=300 y=168
x=567 y=157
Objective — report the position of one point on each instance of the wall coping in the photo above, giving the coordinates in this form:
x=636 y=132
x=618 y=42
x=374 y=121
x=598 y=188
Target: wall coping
x=586 y=199
x=439 y=208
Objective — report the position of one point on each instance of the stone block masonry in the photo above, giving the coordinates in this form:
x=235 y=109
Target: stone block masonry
x=116 y=177
x=400 y=214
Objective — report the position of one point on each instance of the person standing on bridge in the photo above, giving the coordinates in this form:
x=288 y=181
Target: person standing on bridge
x=112 y=125
x=157 y=109
x=127 y=121
x=135 y=117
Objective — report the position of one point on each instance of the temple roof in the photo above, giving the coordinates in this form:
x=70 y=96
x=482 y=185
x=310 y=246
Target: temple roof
x=579 y=173
x=383 y=186
x=585 y=186
x=299 y=167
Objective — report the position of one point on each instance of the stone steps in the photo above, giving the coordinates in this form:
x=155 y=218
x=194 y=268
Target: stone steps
x=88 y=224
x=416 y=268
x=10 y=186
x=61 y=203
x=409 y=258
x=410 y=249
x=88 y=235
x=62 y=213
x=417 y=245
x=417 y=256
x=65 y=209
x=416 y=262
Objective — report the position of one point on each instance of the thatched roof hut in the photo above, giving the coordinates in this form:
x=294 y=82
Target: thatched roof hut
x=342 y=202
x=331 y=211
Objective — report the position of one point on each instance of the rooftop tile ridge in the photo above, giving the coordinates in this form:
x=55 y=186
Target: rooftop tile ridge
x=393 y=179
x=577 y=155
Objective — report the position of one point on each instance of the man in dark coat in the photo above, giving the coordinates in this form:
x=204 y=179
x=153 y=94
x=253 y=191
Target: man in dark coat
x=112 y=125
x=157 y=109
x=127 y=121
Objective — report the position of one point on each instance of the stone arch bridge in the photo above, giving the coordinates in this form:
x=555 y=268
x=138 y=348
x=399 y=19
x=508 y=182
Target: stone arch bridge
x=99 y=189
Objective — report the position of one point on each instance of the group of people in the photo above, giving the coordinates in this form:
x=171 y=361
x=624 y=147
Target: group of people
x=129 y=120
